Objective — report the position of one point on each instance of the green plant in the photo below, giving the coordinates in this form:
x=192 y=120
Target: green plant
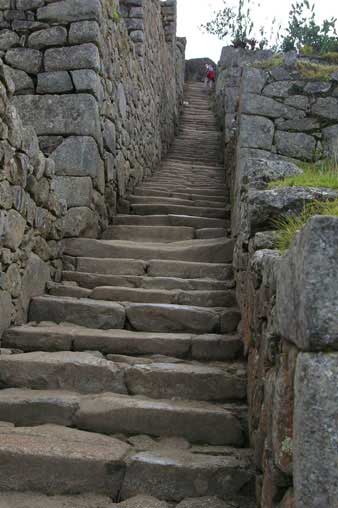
x=236 y=24
x=324 y=174
x=289 y=226
x=319 y=72
x=116 y=16
x=303 y=30
x=271 y=63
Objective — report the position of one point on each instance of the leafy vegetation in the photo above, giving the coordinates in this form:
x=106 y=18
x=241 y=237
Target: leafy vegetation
x=271 y=63
x=303 y=31
x=319 y=72
x=324 y=174
x=289 y=226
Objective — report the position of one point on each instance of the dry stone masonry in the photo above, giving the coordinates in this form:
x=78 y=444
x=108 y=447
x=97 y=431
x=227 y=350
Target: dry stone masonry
x=97 y=81
x=272 y=120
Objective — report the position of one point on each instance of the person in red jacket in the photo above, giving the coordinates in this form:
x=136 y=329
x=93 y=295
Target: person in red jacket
x=210 y=77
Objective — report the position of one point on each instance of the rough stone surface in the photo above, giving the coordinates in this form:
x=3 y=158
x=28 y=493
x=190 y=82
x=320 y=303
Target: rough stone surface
x=315 y=443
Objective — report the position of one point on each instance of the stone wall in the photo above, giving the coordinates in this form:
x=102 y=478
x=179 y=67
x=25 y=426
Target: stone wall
x=31 y=213
x=101 y=82
x=273 y=119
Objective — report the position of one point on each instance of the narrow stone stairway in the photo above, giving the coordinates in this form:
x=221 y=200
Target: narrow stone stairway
x=129 y=378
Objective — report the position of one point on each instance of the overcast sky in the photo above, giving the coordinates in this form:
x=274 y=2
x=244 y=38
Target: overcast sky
x=192 y=13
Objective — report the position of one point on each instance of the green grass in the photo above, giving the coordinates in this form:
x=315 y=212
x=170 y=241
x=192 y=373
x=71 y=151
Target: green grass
x=288 y=227
x=323 y=175
x=271 y=63
x=315 y=71
x=331 y=57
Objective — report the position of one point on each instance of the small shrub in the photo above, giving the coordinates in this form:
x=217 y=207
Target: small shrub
x=319 y=72
x=289 y=226
x=271 y=63
x=331 y=57
x=323 y=175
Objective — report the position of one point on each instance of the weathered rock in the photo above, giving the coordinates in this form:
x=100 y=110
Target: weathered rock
x=75 y=191
x=314 y=447
x=84 y=31
x=253 y=104
x=8 y=39
x=326 y=107
x=77 y=156
x=70 y=10
x=30 y=500
x=5 y=311
x=94 y=466
x=141 y=502
x=28 y=60
x=54 y=36
x=81 y=372
x=81 y=222
x=297 y=145
x=177 y=475
x=307 y=275
x=54 y=82
x=52 y=114
x=256 y=132
x=84 y=56
x=330 y=142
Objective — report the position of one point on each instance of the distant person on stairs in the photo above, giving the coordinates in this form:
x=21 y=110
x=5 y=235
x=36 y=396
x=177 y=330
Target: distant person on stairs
x=210 y=77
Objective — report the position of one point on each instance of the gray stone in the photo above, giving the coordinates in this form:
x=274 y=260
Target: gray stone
x=54 y=36
x=253 y=104
x=29 y=500
x=66 y=11
x=296 y=145
x=8 y=39
x=330 y=142
x=84 y=312
x=175 y=475
x=121 y=100
x=315 y=431
x=81 y=221
x=204 y=502
x=282 y=89
x=15 y=230
x=298 y=102
x=109 y=136
x=22 y=82
x=256 y=132
x=301 y=125
x=264 y=207
x=317 y=87
x=290 y=59
x=253 y=80
x=5 y=311
x=34 y=280
x=60 y=114
x=54 y=82
x=84 y=56
x=95 y=464
x=141 y=502
x=326 y=107
x=84 y=31
x=77 y=156
x=25 y=5
x=308 y=274
x=74 y=190
x=265 y=170
x=25 y=59
x=88 y=81
x=65 y=370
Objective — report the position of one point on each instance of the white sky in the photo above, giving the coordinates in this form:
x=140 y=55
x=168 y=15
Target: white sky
x=192 y=13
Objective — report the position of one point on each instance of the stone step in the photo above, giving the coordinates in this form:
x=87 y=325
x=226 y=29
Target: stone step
x=197 y=422
x=188 y=381
x=64 y=370
x=52 y=337
x=181 y=318
x=215 y=250
x=153 y=209
x=53 y=460
x=194 y=421
x=92 y=281
x=175 y=475
x=163 y=234
x=210 y=298
x=208 y=233
x=34 y=500
x=170 y=220
x=151 y=200
x=220 y=190
x=152 y=268
x=140 y=317
x=84 y=312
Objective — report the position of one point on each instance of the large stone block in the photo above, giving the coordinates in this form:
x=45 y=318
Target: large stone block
x=84 y=56
x=296 y=144
x=82 y=222
x=70 y=10
x=54 y=82
x=5 y=311
x=74 y=190
x=54 y=36
x=326 y=107
x=61 y=114
x=256 y=132
x=307 y=287
x=25 y=59
x=34 y=280
x=77 y=156
x=254 y=104
x=330 y=142
x=316 y=431
x=14 y=229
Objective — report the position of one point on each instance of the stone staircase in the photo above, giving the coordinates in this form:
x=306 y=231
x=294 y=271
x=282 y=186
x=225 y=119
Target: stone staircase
x=129 y=380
